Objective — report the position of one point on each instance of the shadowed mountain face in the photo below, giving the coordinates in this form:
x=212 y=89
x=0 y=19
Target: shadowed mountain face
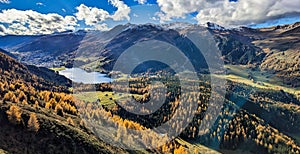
x=7 y=53
x=136 y=35
x=238 y=49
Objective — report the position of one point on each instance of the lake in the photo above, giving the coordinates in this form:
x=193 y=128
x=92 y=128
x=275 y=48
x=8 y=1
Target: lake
x=81 y=76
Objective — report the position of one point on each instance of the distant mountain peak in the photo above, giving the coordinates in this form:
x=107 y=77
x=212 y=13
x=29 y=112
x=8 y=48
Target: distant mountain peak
x=178 y=25
x=214 y=26
x=288 y=26
x=148 y=26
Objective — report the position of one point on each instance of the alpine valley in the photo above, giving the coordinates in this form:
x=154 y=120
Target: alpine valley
x=42 y=111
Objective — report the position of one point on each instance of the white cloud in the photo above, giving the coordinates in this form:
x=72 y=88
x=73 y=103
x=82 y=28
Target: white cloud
x=2 y=30
x=141 y=1
x=177 y=8
x=91 y=15
x=122 y=12
x=5 y=1
x=135 y=15
x=102 y=27
x=40 y=4
x=30 y=22
x=154 y=18
x=242 y=12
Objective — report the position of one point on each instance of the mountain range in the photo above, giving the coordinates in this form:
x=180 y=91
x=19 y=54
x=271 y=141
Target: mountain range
x=99 y=50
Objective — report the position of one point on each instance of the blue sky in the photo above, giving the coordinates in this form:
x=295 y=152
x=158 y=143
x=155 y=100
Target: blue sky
x=139 y=13
x=281 y=21
x=64 y=7
x=112 y=12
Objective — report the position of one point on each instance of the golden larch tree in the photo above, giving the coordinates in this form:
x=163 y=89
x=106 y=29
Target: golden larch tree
x=33 y=123
x=180 y=150
x=14 y=114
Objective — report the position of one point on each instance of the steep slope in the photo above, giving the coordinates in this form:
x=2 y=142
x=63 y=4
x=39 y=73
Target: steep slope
x=44 y=73
x=55 y=135
x=13 y=70
x=142 y=33
x=57 y=127
x=50 y=75
x=282 y=45
x=7 y=53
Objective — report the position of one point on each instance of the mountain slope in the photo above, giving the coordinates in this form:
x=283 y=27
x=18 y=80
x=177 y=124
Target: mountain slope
x=7 y=53
x=13 y=70
x=57 y=128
